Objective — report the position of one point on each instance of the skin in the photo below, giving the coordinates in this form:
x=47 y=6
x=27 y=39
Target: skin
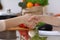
x=33 y=19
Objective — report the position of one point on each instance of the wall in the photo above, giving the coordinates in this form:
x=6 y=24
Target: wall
x=11 y=4
x=54 y=6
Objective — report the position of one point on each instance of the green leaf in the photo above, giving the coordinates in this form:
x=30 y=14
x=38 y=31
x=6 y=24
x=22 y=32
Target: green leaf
x=41 y=2
x=22 y=4
x=40 y=24
x=37 y=36
x=33 y=1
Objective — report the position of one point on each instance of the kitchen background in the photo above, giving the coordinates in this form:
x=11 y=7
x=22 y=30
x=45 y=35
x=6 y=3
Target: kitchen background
x=53 y=7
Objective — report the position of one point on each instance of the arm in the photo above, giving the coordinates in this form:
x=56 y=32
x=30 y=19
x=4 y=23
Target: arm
x=50 y=20
x=13 y=22
x=47 y=19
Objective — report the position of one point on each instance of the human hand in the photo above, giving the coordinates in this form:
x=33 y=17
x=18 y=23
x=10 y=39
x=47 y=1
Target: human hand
x=28 y=19
x=34 y=19
x=31 y=20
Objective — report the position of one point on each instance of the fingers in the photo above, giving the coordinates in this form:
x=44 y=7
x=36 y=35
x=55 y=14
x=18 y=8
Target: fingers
x=33 y=18
x=32 y=25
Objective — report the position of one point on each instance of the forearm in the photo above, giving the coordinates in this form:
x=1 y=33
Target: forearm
x=14 y=22
x=50 y=20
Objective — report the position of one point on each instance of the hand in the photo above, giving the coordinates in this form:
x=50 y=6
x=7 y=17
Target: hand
x=28 y=19
x=32 y=20
x=36 y=18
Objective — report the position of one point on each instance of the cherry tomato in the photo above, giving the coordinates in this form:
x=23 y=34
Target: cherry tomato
x=36 y=4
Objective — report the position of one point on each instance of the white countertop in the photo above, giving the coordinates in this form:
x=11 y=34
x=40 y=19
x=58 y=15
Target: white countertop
x=49 y=33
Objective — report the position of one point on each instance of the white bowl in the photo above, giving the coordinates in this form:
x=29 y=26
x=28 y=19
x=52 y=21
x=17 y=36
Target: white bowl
x=49 y=33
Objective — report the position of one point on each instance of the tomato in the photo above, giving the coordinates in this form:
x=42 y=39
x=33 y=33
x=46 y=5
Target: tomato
x=29 y=4
x=22 y=25
x=36 y=4
x=24 y=33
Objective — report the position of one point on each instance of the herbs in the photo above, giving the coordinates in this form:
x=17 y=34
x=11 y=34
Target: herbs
x=37 y=36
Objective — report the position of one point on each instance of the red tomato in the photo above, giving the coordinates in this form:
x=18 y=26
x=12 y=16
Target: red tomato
x=24 y=32
x=36 y=4
x=22 y=25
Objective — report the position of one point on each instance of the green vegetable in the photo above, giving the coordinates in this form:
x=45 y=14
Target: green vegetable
x=22 y=4
x=40 y=24
x=33 y=1
x=37 y=36
x=41 y=2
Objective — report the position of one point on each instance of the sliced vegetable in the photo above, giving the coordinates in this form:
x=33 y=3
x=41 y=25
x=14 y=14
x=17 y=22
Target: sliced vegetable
x=31 y=33
x=24 y=33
